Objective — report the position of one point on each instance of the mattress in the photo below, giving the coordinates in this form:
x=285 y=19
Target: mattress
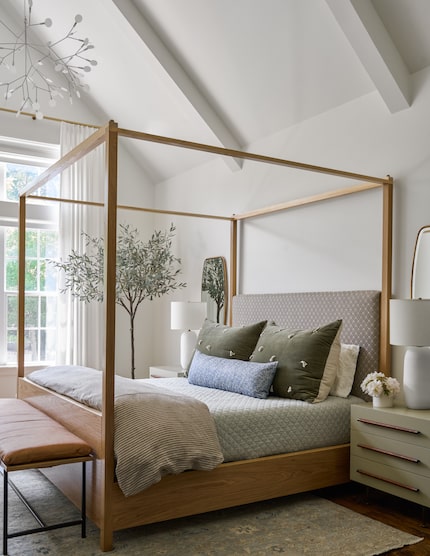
x=249 y=428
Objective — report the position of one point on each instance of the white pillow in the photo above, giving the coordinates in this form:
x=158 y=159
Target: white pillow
x=345 y=376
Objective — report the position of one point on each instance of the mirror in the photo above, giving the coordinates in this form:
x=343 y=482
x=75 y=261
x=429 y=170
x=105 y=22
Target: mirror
x=214 y=288
x=420 y=280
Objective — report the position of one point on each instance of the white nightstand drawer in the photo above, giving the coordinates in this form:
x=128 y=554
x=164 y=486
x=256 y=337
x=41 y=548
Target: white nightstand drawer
x=391 y=423
x=413 y=458
x=389 y=479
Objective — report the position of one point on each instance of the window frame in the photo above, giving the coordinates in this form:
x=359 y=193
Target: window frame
x=40 y=216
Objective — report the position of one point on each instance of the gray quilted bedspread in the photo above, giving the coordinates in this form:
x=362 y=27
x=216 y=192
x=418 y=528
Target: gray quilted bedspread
x=157 y=432
x=251 y=428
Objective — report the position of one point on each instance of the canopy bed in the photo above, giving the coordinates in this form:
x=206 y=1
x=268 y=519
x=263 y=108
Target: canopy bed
x=364 y=318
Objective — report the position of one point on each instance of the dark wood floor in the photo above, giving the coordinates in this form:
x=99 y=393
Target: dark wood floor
x=404 y=515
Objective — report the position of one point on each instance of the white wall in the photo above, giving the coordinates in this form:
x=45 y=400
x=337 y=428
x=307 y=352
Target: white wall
x=332 y=245
x=134 y=189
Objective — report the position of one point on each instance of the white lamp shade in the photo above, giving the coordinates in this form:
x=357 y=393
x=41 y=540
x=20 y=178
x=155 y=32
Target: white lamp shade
x=187 y=315
x=410 y=322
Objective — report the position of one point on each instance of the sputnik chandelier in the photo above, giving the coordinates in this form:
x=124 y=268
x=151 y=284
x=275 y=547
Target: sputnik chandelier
x=26 y=58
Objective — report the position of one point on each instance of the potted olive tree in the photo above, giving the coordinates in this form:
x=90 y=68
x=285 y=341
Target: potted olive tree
x=144 y=270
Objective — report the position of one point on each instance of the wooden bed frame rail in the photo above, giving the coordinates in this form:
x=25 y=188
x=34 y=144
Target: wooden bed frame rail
x=192 y=492
x=195 y=491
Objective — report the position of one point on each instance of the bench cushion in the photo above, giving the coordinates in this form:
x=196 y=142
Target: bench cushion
x=27 y=436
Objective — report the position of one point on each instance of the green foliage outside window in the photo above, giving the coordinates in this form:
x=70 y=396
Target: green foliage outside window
x=19 y=176
x=40 y=287
x=40 y=278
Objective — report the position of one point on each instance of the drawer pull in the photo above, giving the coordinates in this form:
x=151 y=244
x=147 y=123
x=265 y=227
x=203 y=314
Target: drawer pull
x=387 y=426
x=379 y=478
x=387 y=453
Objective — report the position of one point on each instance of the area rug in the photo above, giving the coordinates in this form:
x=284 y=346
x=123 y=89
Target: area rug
x=294 y=525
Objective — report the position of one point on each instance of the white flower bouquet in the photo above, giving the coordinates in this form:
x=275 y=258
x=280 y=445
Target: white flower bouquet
x=377 y=384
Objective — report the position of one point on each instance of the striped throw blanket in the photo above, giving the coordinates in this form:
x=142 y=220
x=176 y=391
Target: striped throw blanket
x=157 y=432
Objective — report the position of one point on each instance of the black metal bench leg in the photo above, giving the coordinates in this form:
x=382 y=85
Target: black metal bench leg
x=43 y=527
x=5 y=511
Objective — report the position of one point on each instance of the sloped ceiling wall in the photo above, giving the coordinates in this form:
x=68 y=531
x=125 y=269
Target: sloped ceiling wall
x=232 y=73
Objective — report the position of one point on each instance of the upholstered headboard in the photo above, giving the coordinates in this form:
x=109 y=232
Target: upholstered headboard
x=359 y=311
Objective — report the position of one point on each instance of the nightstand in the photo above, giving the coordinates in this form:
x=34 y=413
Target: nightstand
x=165 y=371
x=390 y=451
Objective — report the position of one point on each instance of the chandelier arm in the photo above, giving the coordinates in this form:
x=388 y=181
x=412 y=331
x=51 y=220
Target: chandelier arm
x=9 y=29
x=32 y=80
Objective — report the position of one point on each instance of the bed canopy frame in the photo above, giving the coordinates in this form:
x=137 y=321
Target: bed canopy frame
x=109 y=135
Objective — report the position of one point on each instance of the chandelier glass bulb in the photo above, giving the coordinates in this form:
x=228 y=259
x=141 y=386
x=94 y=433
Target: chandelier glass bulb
x=25 y=57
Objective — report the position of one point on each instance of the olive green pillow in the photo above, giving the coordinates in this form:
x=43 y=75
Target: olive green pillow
x=308 y=360
x=227 y=341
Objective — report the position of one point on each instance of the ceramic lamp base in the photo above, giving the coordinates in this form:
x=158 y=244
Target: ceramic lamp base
x=416 y=378
x=188 y=343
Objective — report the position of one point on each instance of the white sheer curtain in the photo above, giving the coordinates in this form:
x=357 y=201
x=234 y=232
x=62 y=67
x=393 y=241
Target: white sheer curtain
x=80 y=325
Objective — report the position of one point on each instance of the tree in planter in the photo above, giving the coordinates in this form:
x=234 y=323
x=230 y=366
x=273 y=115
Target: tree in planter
x=143 y=271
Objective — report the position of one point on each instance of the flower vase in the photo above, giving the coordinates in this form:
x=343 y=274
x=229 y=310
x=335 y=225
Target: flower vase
x=382 y=401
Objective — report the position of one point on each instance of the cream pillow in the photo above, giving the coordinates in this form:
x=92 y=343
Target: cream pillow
x=345 y=375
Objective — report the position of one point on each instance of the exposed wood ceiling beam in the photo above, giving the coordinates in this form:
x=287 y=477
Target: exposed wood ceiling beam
x=179 y=76
x=373 y=45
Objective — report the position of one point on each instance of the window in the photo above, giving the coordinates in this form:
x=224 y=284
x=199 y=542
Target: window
x=41 y=297
x=41 y=246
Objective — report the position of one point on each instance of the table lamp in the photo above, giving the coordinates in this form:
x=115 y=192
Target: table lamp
x=187 y=316
x=410 y=326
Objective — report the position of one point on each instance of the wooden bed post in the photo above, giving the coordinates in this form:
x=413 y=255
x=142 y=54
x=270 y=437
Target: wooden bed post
x=233 y=266
x=387 y=256
x=111 y=186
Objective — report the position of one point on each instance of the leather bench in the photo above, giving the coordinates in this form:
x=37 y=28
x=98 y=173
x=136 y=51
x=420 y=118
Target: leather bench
x=30 y=439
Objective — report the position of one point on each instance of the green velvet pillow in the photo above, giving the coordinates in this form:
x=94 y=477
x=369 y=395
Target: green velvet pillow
x=229 y=342
x=308 y=360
